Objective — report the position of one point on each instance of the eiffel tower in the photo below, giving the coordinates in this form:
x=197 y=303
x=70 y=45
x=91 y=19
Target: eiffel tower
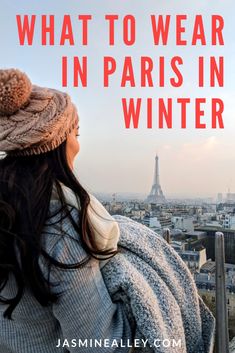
x=156 y=194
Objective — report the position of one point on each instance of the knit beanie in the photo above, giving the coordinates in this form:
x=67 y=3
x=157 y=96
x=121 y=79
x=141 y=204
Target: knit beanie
x=33 y=119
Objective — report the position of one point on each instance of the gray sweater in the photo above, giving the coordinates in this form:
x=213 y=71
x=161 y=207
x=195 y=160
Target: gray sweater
x=84 y=310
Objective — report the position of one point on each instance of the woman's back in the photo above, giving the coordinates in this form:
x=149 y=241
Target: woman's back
x=84 y=311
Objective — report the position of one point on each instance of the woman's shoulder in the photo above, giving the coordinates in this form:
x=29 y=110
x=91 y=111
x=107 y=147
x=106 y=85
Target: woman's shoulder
x=59 y=237
x=59 y=214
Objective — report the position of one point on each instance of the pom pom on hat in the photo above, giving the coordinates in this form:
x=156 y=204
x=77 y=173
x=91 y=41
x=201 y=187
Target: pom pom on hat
x=33 y=119
x=15 y=90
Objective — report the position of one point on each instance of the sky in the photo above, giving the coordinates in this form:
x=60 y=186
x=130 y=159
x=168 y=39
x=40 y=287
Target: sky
x=193 y=163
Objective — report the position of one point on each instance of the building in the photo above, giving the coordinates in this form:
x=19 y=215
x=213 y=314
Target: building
x=219 y=197
x=229 y=242
x=230 y=197
x=193 y=259
x=229 y=221
x=205 y=281
x=183 y=223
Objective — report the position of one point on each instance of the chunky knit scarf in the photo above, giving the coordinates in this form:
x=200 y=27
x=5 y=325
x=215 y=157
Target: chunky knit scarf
x=158 y=293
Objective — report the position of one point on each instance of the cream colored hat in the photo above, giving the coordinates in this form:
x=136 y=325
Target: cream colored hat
x=33 y=119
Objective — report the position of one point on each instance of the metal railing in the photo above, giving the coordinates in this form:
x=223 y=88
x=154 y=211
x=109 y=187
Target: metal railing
x=222 y=334
x=222 y=337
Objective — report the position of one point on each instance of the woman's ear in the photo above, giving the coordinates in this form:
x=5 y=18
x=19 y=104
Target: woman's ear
x=72 y=147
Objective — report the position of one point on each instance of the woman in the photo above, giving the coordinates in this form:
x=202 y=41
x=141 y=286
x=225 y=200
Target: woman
x=51 y=289
x=61 y=287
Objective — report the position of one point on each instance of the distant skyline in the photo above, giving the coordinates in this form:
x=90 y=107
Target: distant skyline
x=193 y=163
x=169 y=195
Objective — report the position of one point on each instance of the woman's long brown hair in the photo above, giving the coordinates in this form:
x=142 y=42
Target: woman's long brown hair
x=25 y=192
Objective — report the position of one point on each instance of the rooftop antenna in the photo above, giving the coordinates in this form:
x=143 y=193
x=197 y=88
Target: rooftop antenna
x=167 y=235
